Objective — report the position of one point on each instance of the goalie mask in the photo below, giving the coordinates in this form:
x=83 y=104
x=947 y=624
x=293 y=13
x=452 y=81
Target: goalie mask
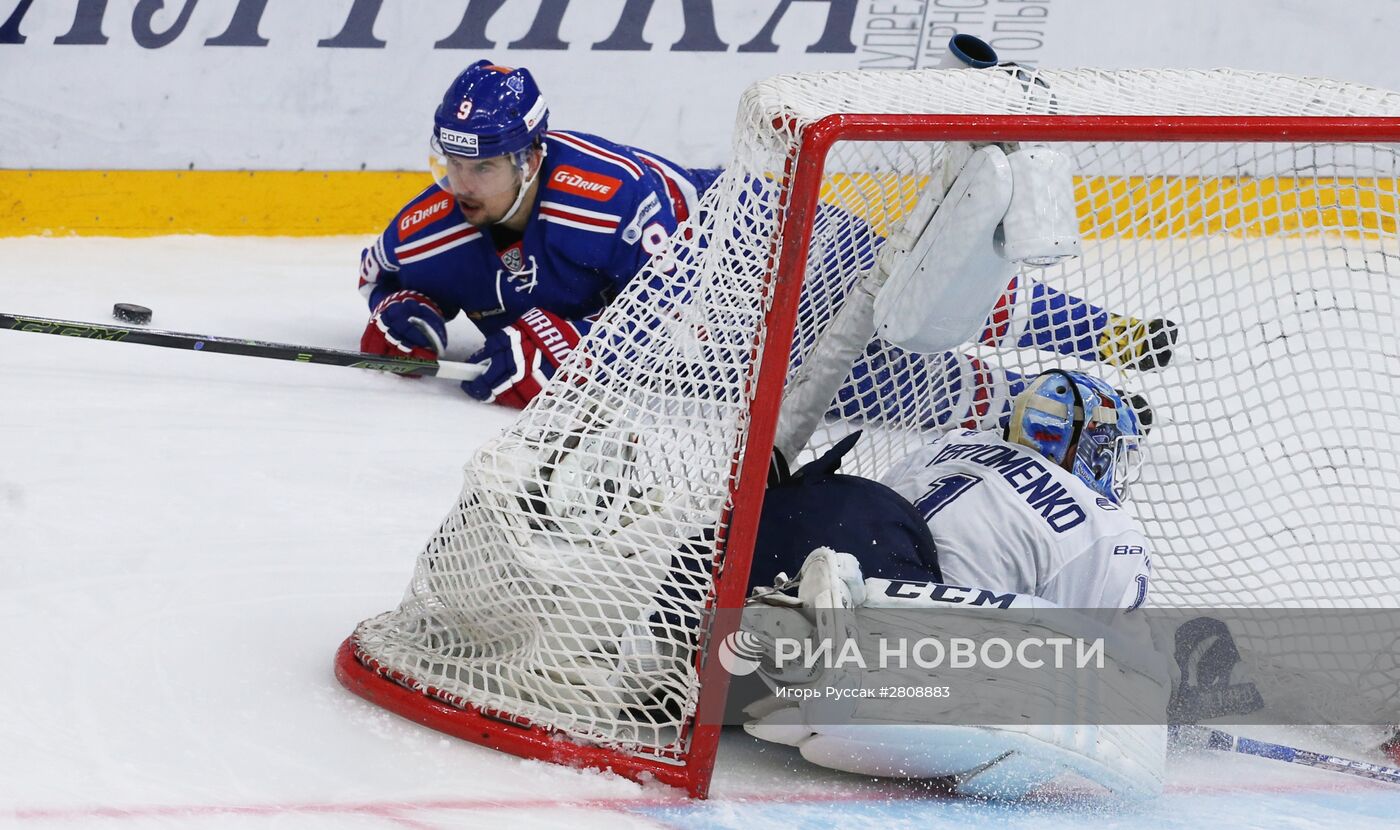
x=1083 y=425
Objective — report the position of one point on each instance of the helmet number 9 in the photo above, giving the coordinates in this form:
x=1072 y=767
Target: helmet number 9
x=464 y=109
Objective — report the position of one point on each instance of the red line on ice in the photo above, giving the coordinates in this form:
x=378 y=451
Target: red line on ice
x=395 y=810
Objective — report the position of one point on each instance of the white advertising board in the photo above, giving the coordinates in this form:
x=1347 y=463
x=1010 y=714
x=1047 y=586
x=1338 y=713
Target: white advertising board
x=351 y=84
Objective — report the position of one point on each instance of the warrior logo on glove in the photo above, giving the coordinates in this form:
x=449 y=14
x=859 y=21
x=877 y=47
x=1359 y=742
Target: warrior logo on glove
x=523 y=356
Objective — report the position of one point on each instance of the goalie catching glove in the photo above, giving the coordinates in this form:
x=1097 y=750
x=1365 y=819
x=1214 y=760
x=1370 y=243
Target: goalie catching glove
x=406 y=324
x=522 y=357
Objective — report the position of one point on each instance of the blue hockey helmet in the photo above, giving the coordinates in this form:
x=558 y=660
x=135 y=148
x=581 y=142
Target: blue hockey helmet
x=1083 y=425
x=490 y=110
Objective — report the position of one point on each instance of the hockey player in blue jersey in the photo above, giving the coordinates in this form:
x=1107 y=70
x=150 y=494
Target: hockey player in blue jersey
x=528 y=231
x=531 y=232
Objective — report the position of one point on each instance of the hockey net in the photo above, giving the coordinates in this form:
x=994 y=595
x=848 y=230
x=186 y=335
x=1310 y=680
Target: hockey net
x=564 y=608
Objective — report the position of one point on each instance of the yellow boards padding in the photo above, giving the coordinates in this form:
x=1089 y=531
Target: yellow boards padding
x=322 y=203
x=220 y=202
x=1161 y=207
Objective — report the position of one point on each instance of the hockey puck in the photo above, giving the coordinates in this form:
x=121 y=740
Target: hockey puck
x=131 y=313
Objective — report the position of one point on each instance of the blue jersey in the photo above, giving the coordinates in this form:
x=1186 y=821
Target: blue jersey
x=601 y=211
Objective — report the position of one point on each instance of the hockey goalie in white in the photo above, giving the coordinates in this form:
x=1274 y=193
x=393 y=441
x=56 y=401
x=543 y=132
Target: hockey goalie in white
x=1040 y=511
x=1049 y=494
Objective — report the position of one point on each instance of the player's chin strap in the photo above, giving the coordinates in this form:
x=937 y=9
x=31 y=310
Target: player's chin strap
x=525 y=183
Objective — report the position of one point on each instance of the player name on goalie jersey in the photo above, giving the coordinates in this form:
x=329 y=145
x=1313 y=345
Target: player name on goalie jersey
x=1027 y=475
x=1062 y=540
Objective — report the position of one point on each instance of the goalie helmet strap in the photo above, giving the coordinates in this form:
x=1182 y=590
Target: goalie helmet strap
x=1078 y=419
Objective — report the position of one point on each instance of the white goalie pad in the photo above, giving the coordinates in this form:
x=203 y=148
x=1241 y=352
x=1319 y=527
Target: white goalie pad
x=940 y=290
x=878 y=736
x=1041 y=226
x=956 y=253
x=940 y=273
x=1006 y=761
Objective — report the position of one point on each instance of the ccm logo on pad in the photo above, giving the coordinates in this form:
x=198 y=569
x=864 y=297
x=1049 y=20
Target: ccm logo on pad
x=583 y=183
x=423 y=213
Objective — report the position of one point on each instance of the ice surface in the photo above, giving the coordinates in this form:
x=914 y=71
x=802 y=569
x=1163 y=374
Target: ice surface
x=186 y=538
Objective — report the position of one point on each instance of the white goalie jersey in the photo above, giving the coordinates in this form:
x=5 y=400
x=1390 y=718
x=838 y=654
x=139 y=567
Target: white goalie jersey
x=1004 y=516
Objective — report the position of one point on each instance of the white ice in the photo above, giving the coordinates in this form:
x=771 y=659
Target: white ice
x=186 y=538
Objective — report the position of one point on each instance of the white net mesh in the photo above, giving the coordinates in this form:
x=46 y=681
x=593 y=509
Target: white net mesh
x=1247 y=291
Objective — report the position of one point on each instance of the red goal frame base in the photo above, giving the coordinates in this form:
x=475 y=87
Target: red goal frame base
x=471 y=724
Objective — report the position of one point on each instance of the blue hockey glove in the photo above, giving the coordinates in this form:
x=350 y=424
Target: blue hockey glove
x=523 y=357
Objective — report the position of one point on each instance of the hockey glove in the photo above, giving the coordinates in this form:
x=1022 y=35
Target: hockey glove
x=523 y=357
x=405 y=324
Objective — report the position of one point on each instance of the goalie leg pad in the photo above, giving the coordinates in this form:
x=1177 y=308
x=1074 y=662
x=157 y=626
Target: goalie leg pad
x=991 y=760
x=1041 y=226
x=994 y=761
x=941 y=289
x=983 y=760
x=987 y=761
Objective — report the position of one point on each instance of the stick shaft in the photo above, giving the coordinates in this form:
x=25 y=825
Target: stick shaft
x=1224 y=741
x=231 y=345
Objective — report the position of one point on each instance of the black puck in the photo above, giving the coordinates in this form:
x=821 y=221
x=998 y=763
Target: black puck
x=131 y=313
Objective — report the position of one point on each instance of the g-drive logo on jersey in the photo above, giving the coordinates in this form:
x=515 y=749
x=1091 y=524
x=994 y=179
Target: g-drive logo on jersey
x=462 y=143
x=593 y=186
x=422 y=213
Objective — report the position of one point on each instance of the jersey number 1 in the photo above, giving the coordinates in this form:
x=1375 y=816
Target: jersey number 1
x=943 y=490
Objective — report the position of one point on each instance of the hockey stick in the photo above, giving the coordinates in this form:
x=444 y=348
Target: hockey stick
x=1208 y=738
x=249 y=348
